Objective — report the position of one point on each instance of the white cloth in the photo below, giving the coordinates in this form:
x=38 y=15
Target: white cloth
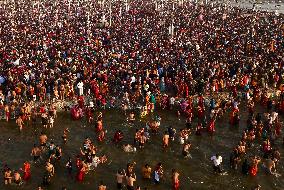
x=216 y=161
x=80 y=87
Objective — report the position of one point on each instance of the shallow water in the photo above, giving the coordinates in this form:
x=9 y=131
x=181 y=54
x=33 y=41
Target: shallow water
x=195 y=173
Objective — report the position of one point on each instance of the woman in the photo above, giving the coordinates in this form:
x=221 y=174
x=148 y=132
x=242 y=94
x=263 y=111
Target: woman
x=175 y=180
x=27 y=171
x=101 y=136
x=254 y=167
x=81 y=173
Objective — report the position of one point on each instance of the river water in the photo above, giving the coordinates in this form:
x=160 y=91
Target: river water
x=195 y=173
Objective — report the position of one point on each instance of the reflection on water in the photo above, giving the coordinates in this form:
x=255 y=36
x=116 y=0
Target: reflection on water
x=196 y=172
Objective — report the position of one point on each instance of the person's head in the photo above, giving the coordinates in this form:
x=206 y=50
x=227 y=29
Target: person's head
x=64 y=188
x=147 y=166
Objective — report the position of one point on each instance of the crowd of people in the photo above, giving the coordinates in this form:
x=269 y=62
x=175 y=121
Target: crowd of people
x=202 y=60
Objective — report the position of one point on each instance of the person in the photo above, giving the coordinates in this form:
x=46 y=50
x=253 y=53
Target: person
x=69 y=167
x=8 y=176
x=42 y=140
x=185 y=149
x=132 y=117
x=130 y=181
x=7 y=112
x=245 y=167
x=257 y=187
x=102 y=186
x=175 y=180
x=81 y=173
x=146 y=171
x=120 y=175
x=50 y=169
x=254 y=166
x=36 y=152
x=80 y=87
x=158 y=173
x=166 y=138
x=17 y=178
x=101 y=136
x=65 y=135
x=217 y=161
x=50 y=121
x=27 y=171
x=118 y=136
x=20 y=123
x=269 y=165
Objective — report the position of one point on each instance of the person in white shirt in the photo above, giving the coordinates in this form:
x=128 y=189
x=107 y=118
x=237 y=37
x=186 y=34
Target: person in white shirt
x=217 y=161
x=80 y=87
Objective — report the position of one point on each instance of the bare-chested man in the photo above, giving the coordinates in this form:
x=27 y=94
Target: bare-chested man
x=36 y=153
x=20 y=123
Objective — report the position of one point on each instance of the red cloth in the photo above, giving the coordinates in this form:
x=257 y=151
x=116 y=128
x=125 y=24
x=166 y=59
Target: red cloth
x=211 y=127
x=81 y=175
x=176 y=185
x=27 y=171
x=253 y=170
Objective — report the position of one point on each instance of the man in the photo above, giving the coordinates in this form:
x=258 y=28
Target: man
x=146 y=171
x=166 y=140
x=217 y=160
x=119 y=179
x=102 y=186
x=130 y=181
x=36 y=153
x=80 y=87
x=42 y=140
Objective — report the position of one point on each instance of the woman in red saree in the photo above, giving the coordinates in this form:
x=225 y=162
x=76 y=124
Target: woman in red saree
x=175 y=179
x=27 y=171
x=211 y=126
x=81 y=173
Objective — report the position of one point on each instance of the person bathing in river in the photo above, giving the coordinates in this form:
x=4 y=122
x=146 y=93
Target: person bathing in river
x=65 y=135
x=36 y=152
x=166 y=138
x=146 y=171
x=254 y=166
x=269 y=165
x=99 y=126
x=118 y=136
x=131 y=117
x=17 y=178
x=217 y=161
x=185 y=149
x=20 y=123
x=42 y=140
x=175 y=180
x=120 y=175
x=7 y=176
x=158 y=173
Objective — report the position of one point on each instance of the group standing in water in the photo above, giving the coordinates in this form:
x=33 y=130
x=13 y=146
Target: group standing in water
x=214 y=60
